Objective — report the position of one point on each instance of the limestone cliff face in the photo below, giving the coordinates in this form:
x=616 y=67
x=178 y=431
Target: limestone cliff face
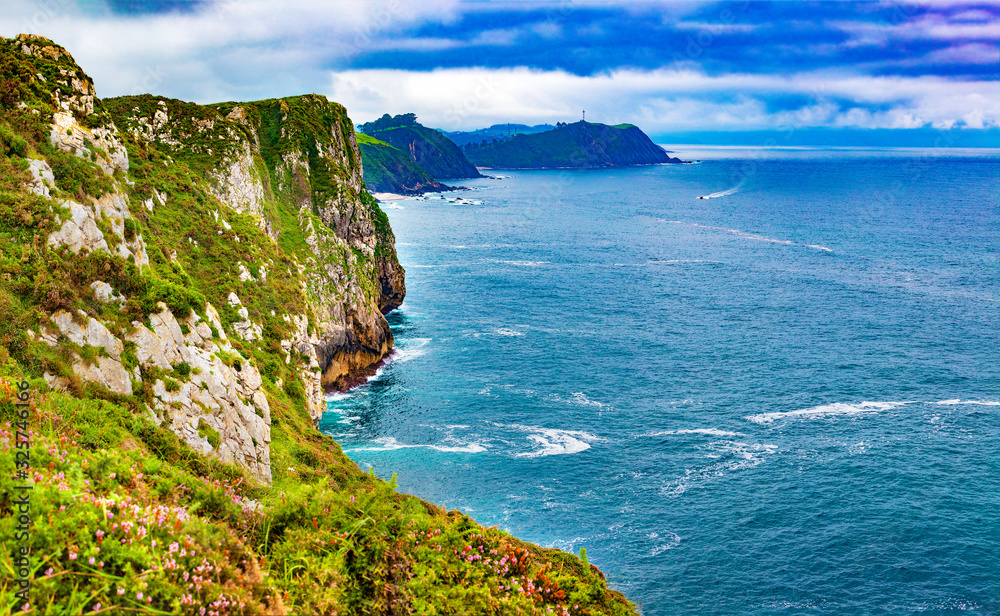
x=251 y=257
x=300 y=154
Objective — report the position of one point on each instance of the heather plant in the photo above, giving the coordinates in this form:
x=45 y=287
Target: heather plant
x=129 y=522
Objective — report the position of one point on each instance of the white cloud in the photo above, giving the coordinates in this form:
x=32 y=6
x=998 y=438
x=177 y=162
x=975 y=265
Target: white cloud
x=275 y=48
x=664 y=100
x=251 y=49
x=969 y=53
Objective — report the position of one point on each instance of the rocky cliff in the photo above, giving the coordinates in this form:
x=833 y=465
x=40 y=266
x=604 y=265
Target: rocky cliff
x=580 y=145
x=177 y=285
x=432 y=151
x=184 y=256
x=390 y=170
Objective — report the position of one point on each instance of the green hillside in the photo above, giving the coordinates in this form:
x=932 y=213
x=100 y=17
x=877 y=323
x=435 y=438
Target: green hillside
x=579 y=145
x=434 y=152
x=388 y=169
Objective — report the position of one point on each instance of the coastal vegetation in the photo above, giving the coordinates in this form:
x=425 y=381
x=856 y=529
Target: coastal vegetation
x=178 y=283
x=389 y=169
x=434 y=152
x=581 y=144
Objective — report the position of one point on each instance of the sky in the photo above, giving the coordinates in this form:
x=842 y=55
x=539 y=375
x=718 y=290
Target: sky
x=669 y=67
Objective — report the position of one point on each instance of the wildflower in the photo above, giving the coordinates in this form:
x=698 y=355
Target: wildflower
x=138 y=595
x=96 y=608
x=121 y=591
x=91 y=560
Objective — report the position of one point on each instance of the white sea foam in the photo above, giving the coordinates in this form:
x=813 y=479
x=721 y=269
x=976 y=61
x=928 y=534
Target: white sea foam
x=672 y=540
x=337 y=396
x=377 y=375
x=581 y=398
x=514 y=390
x=503 y=331
x=976 y=402
x=666 y=262
x=553 y=442
x=729 y=456
x=837 y=408
x=389 y=443
x=702 y=431
x=743 y=234
x=414 y=348
x=746 y=235
x=517 y=262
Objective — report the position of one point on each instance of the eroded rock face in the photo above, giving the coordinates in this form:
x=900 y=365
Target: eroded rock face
x=227 y=397
x=237 y=184
x=42 y=178
x=69 y=135
x=81 y=231
x=106 y=369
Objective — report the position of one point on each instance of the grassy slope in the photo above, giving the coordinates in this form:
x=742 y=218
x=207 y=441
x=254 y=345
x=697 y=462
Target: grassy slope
x=388 y=169
x=582 y=144
x=127 y=515
x=434 y=152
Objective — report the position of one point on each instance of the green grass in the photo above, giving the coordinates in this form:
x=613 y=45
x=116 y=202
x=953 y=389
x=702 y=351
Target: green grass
x=124 y=508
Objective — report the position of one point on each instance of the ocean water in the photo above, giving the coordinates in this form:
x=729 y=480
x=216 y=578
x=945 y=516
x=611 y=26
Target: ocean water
x=784 y=399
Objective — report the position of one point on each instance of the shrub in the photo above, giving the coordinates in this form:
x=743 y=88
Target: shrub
x=73 y=174
x=11 y=143
x=207 y=431
x=130 y=228
x=295 y=390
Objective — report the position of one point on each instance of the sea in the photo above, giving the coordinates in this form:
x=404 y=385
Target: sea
x=781 y=398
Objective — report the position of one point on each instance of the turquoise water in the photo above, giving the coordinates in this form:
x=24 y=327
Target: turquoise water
x=782 y=400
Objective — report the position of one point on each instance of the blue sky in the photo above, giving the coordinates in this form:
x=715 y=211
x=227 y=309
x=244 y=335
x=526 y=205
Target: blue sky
x=667 y=66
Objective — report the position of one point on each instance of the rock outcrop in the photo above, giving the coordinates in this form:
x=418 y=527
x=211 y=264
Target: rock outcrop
x=259 y=208
x=223 y=391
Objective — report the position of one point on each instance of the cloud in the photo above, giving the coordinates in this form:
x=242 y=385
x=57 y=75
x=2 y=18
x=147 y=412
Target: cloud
x=282 y=48
x=667 y=100
x=663 y=65
x=970 y=53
